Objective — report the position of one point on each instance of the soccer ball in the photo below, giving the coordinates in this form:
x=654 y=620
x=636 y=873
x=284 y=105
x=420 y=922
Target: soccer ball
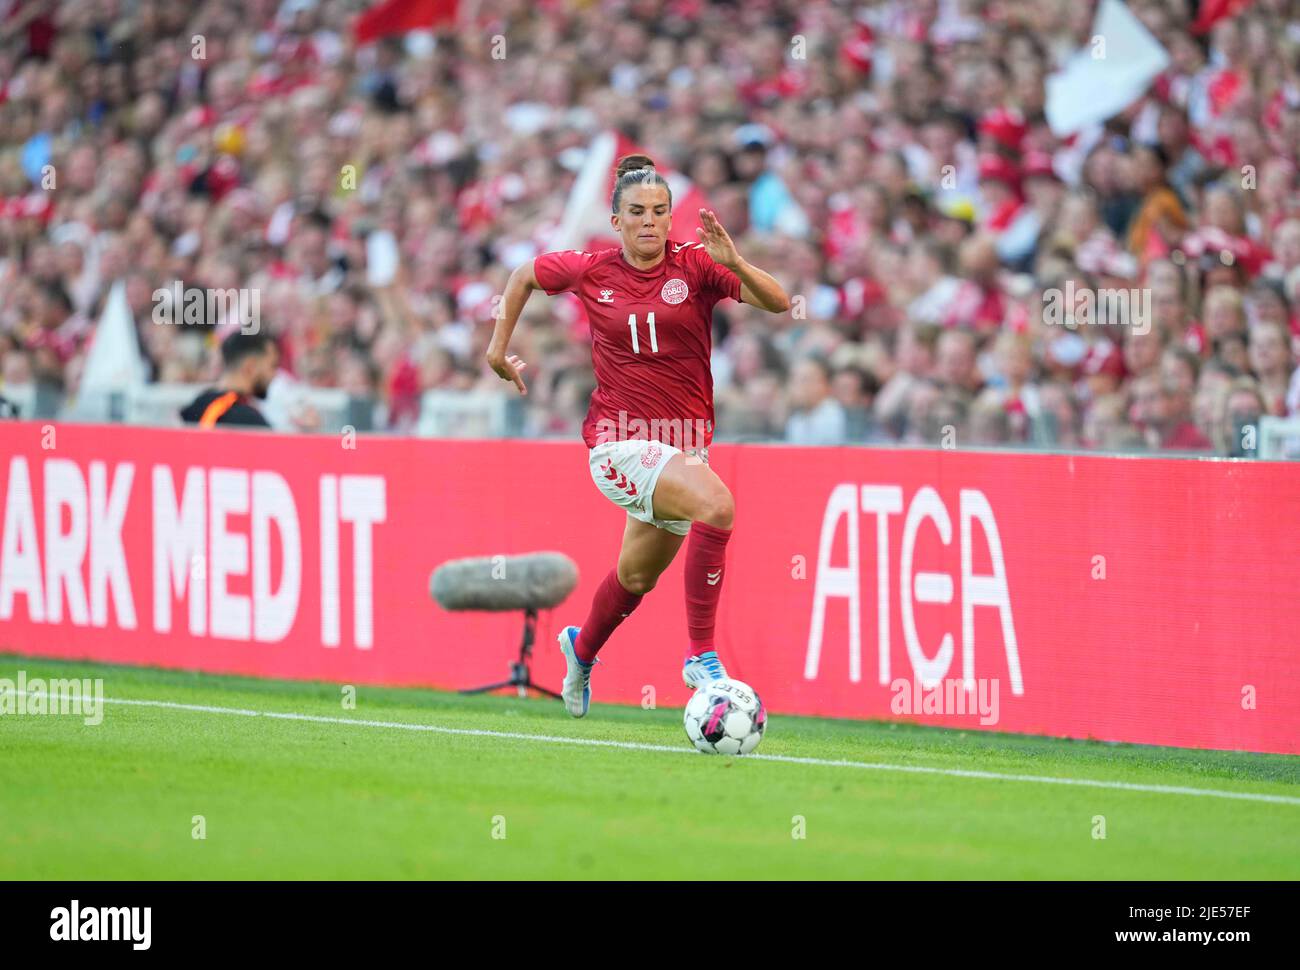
x=725 y=717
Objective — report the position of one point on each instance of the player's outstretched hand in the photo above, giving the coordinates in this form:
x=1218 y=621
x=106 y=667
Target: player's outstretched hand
x=508 y=367
x=717 y=243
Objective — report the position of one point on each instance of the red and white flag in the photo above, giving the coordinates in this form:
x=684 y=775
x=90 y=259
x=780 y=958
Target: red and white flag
x=401 y=17
x=585 y=224
x=1212 y=11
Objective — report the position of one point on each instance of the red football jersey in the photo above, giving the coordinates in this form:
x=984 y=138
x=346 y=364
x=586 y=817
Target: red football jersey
x=651 y=338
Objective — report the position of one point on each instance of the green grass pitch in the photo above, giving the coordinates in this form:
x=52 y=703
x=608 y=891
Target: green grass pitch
x=297 y=798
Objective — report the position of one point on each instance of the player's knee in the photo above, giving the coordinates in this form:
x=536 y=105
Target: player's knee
x=637 y=583
x=718 y=509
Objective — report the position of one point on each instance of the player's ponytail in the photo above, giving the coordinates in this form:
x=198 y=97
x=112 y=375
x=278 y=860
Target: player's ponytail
x=637 y=170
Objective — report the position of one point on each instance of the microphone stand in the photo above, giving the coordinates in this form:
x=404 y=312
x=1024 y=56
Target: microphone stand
x=520 y=675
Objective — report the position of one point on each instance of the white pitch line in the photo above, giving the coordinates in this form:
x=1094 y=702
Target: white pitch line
x=671 y=749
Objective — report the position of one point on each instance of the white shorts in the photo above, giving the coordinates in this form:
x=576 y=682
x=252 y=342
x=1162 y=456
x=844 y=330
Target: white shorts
x=626 y=473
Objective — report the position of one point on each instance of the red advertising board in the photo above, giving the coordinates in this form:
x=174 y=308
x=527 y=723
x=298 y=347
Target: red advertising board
x=1128 y=599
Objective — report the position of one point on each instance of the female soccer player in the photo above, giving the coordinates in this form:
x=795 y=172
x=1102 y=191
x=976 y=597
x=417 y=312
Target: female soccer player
x=650 y=306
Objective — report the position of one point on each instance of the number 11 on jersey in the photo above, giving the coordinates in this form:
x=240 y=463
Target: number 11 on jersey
x=654 y=343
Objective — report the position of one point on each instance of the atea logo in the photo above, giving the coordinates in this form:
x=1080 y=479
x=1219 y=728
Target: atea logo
x=93 y=924
x=989 y=590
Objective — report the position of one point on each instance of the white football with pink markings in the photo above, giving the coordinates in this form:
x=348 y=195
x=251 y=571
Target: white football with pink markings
x=725 y=717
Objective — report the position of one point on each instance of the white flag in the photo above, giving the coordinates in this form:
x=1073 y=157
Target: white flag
x=114 y=362
x=586 y=213
x=1109 y=74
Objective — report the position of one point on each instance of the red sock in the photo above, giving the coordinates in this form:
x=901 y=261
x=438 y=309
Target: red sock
x=706 y=554
x=609 y=607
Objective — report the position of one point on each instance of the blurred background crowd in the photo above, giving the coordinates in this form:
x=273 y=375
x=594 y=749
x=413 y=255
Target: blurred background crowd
x=890 y=162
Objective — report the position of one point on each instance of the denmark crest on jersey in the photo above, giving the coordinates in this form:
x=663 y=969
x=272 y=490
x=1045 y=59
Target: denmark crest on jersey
x=674 y=292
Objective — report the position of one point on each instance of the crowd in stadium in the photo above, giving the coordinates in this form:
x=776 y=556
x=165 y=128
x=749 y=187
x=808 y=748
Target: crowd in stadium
x=889 y=161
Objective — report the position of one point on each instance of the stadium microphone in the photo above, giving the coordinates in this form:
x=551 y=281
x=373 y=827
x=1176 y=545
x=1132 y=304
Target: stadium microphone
x=533 y=582
x=536 y=581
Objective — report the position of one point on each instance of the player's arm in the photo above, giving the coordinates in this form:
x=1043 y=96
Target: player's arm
x=519 y=288
x=757 y=288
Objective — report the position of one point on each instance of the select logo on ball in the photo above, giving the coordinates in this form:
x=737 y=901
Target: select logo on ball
x=725 y=717
x=674 y=292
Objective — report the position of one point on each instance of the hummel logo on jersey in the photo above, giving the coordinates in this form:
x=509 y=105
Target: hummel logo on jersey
x=714 y=578
x=606 y=296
